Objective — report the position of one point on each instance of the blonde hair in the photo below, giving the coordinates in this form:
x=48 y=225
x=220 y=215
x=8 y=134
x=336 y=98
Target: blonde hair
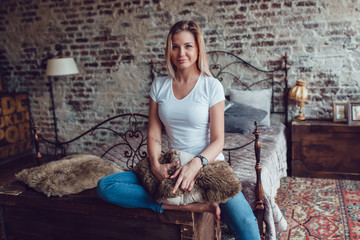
x=191 y=26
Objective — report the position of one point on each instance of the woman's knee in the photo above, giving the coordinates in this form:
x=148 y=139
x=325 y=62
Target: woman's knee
x=106 y=183
x=114 y=185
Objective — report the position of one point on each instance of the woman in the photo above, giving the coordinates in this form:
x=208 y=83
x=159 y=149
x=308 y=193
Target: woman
x=190 y=104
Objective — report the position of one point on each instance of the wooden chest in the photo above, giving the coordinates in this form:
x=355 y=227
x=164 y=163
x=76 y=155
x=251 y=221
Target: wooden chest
x=27 y=214
x=325 y=149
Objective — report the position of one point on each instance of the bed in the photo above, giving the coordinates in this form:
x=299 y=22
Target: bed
x=26 y=213
x=270 y=86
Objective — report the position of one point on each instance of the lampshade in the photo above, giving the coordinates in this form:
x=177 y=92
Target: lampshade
x=61 y=67
x=299 y=91
x=300 y=94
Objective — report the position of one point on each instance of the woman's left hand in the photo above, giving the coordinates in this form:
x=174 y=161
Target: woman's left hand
x=187 y=175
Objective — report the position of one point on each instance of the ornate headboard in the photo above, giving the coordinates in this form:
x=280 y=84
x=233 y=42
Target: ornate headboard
x=234 y=72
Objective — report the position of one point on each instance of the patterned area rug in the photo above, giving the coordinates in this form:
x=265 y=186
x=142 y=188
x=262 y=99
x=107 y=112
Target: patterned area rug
x=325 y=209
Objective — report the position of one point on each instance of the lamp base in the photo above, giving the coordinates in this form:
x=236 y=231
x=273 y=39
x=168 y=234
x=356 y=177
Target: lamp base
x=300 y=117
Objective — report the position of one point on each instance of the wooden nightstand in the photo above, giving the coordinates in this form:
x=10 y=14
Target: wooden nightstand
x=325 y=149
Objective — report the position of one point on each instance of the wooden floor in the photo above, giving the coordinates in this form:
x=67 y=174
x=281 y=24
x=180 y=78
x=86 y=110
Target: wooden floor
x=27 y=214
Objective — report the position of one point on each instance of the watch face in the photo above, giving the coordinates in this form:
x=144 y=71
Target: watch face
x=204 y=160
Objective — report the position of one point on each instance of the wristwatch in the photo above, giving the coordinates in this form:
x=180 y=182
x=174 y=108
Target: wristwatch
x=204 y=160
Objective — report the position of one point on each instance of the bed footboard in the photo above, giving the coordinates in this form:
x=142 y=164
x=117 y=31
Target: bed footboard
x=124 y=131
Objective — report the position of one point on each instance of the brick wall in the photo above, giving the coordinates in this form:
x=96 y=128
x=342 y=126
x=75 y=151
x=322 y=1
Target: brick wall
x=113 y=42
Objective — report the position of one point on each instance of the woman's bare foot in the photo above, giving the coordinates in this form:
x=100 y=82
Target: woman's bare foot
x=197 y=207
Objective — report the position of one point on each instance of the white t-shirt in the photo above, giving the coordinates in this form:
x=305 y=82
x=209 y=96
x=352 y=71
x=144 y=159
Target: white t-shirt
x=187 y=120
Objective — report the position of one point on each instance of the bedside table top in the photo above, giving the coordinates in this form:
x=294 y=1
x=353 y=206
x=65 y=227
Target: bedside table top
x=314 y=125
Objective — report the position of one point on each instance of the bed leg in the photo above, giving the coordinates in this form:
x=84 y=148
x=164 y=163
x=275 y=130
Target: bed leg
x=259 y=192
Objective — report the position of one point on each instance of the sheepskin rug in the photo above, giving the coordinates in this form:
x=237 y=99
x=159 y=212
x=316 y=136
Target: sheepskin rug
x=216 y=182
x=70 y=175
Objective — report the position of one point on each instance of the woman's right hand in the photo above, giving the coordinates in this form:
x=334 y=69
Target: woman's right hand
x=161 y=171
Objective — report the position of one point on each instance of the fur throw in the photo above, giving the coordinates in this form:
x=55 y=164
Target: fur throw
x=70 y=175
x=216 y=182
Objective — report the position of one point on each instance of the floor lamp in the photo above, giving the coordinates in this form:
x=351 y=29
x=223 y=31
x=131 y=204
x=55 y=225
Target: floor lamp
x=58 y=66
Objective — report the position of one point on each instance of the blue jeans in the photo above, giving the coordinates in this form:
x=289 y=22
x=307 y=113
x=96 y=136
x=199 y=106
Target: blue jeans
x=125 y=190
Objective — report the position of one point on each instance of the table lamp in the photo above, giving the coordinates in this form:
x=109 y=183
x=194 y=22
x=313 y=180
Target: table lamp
x=300 y=94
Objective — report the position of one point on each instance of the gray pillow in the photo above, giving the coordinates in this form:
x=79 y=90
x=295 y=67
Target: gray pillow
x=260 y=99
x=239 y=118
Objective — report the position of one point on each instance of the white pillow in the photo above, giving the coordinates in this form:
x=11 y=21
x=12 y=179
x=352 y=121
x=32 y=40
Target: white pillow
x=260 y=99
